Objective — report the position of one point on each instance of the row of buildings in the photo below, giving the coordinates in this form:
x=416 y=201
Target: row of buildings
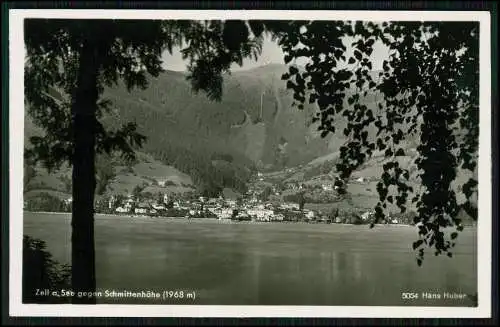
x=229 y=209
x=241 y=210
x=251 y=209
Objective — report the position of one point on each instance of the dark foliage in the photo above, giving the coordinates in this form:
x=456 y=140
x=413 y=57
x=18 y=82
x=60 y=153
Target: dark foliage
x=44 y=201
x=429 y=88
x=41 y=272
x=264 y=196
x=81 y=58
x=210 y=179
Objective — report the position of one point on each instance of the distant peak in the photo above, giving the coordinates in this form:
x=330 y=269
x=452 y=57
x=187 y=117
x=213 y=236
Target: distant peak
x=270 y=67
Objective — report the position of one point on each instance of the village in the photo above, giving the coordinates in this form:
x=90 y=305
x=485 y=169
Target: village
x=228 y=209
x=267 y=199
x=263 y=202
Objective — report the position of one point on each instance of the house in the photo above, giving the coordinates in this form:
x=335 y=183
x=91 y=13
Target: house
x=292 y=206
x=231 y=203
x=225 y=213
x=367 y=215
x=143 y=205
x=158 y=206
x=111 y=202
x=268 y=205
x=165 y=198
x=213 y=201
x=361 y=180
x=278 y=217
x=122 y=210
x=128 y=204
x=327 y=187
x=243 y=216
x=324 y=219
x=214 y=210
x=310 y=214
x=142 y=208
x=261 y=214
x=141 y=211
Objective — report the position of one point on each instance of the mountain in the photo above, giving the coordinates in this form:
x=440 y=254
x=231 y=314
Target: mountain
x=220 y=144
x=255 y=119
x=170 y=114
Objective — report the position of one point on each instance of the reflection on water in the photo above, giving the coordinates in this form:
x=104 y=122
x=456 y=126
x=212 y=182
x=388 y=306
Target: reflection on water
x=265 y=264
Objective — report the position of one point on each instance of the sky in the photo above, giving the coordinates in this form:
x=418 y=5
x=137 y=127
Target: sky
x=271 y=53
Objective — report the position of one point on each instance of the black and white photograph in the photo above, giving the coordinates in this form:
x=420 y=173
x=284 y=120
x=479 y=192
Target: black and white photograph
x=258 y=163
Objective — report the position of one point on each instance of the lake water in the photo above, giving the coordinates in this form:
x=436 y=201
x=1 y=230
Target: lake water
x=264 y=263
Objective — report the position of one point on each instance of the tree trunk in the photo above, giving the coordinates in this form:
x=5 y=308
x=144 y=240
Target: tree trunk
x=83 y=111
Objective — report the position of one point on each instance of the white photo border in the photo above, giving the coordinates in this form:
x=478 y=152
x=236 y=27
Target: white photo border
x=16 y=146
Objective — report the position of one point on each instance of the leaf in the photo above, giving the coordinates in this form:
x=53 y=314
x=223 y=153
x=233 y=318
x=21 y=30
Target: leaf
x=352 y=60
x=385 y=66
x=357 y=54
x=454 y=235
x=257 y=27
x=293 y=70
x=417 y=244
x=400 y=153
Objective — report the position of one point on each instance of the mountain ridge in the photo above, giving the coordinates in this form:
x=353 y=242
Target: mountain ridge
x=254 y=125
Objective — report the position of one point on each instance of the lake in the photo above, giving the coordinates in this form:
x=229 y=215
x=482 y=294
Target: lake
x=229 y=263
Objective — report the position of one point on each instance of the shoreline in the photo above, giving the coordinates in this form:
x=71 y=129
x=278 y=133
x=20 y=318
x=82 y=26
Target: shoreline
x=224 y=221
x=214 y=220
